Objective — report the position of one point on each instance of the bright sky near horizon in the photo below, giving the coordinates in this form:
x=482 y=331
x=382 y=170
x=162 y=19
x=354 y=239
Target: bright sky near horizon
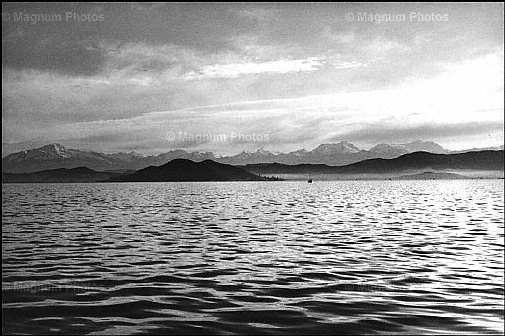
x=155 y=77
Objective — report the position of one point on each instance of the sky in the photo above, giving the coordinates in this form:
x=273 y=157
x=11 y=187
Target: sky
x=231 y=77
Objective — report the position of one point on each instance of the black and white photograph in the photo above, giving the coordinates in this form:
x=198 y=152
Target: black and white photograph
x=232 y=168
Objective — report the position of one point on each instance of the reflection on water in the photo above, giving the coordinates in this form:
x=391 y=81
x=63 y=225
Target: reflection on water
x=261 y=257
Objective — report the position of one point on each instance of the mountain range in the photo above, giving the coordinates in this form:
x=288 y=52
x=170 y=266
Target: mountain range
x=56 y=156
x=424 y=165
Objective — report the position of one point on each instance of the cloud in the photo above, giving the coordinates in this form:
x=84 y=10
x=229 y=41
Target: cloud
x=132 y=59
x=63 y=53
x=257 y=14
x=462 y=102
x=381 y=47
x=387 y=133
x=237 y=70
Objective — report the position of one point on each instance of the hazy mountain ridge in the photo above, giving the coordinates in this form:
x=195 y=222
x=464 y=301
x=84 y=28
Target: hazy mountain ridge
x=55 y=156
x=417 y=161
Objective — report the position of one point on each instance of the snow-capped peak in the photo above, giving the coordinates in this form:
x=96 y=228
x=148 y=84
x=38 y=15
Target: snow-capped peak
x=343 y=147
x=56 y=150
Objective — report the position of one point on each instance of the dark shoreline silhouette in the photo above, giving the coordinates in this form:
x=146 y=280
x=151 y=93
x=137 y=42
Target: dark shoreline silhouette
x=423 y=164
x=178 y=170
x=431 y=176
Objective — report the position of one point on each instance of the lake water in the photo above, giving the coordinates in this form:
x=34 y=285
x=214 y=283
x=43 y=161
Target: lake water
x=350 y=257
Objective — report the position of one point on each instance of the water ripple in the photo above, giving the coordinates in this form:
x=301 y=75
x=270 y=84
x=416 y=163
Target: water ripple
x=353 y=257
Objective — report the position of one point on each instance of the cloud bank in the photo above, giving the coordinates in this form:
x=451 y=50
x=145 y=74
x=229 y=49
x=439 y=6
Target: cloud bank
x=297 y=72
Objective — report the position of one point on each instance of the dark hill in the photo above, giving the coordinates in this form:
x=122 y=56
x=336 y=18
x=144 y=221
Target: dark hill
x=179 y=170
